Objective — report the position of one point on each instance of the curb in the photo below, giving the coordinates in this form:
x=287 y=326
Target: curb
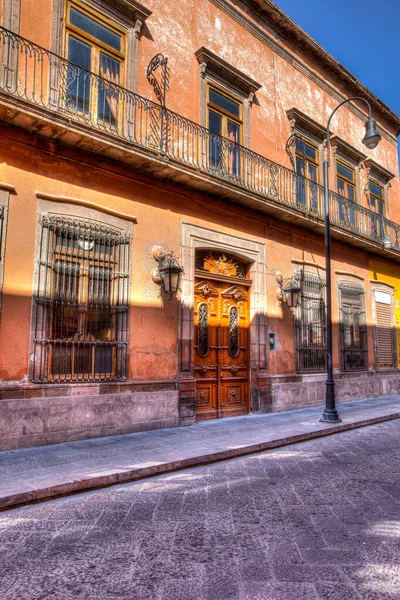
x=125 y=476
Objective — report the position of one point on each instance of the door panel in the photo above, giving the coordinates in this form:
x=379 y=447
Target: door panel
x=221 y=319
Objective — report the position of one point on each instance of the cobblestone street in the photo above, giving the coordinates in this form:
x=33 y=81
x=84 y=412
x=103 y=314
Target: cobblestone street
x=316 y=520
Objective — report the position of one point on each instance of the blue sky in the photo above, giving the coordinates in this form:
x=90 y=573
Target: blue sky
x=362 y=34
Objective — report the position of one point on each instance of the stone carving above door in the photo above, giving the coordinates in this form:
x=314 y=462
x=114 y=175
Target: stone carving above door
x=220 y=264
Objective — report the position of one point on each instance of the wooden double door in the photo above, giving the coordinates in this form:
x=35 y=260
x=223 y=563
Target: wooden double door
x=221 y=348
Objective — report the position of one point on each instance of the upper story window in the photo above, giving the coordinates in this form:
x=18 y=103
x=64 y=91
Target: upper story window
x=307 y=165
x=95 y=45
x=224 y=114
x=306 y=160
x=227 y=96
x=377 y=189
x=377 y=198
x=346 y=181
x=304 y=148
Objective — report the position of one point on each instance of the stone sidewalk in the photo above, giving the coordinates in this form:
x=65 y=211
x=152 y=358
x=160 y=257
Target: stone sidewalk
x=32 y=474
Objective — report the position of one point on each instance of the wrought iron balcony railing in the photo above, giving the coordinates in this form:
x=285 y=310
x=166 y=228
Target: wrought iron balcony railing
x=36 y=75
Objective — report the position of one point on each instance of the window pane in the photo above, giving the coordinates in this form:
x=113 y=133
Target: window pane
x=224 y=102
x=350 y=192
x=312 y=173
x=95 y=29
x=233 y=136
x=214 y=122
x=340 y=185
x=300 y=146
x=311 y=152
x=108 y=94
x=299 y=165
x=375 y=189
x=342 y=170
x=79 y=53
x=233 y=132
x=215 y=126
x=78 y=81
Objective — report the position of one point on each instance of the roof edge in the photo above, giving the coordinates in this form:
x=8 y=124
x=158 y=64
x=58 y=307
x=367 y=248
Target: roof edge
x=310 y=45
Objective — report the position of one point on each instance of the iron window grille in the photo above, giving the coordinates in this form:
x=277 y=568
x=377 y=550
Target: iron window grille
x=310 y=324
x=2 y=211
x=81 y=318
x=353 y=329
x=2 y=249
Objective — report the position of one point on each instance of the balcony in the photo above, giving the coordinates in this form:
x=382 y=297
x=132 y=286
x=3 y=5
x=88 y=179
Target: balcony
x=47 y=95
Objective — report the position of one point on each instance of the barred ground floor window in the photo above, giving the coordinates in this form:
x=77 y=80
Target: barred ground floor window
x=310 y=324
x=353 y=329
x=81 y=303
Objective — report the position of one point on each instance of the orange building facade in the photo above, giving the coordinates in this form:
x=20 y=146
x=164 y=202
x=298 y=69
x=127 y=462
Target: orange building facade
x=110 y=159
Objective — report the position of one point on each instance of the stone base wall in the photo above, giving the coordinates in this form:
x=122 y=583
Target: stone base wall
x=289 y=393
x=28 y=422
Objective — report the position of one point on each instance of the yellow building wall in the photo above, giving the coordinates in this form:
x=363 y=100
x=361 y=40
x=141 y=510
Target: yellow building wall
x=389 y=274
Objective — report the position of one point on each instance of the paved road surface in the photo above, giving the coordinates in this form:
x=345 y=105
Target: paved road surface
x=317 y=520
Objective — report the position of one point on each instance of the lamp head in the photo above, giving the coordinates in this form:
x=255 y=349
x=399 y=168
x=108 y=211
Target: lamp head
x=372 y=137
x=170 y=273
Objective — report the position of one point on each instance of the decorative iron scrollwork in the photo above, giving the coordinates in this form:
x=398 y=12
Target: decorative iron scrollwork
x=203 y=328
x=233 y=331
x=160 y=89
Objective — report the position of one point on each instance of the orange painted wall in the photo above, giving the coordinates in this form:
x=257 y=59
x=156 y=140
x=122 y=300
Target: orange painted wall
x=159 y=207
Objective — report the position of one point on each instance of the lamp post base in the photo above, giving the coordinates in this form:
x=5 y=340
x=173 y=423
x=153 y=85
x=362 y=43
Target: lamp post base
x=330 y=416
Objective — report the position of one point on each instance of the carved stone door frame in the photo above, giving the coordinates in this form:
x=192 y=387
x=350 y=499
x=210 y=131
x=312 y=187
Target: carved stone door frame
x=195 y=237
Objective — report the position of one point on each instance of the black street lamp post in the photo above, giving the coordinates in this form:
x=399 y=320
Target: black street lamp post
x=370 y=140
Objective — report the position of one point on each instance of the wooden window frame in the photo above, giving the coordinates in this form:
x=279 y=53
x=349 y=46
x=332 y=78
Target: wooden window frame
x=306 y=193
x=346 y=180
x=303 y=156
x=225 y=114
x=376 y=198
x=97 y=47
x=86 y=37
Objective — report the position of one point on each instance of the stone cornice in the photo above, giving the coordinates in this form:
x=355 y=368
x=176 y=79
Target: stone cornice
x=346 y=150
x=227 y=71
x=305 y=122
x=133 y=8
x=297 y=35
x=378 y=171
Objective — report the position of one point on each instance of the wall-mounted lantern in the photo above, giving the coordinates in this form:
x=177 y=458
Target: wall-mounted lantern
x=289 y=290
x=169 y=272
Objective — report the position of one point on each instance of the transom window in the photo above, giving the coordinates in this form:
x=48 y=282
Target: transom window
x=224 y=116
x=94 y=45
x=307 y=166
x=81 y=322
